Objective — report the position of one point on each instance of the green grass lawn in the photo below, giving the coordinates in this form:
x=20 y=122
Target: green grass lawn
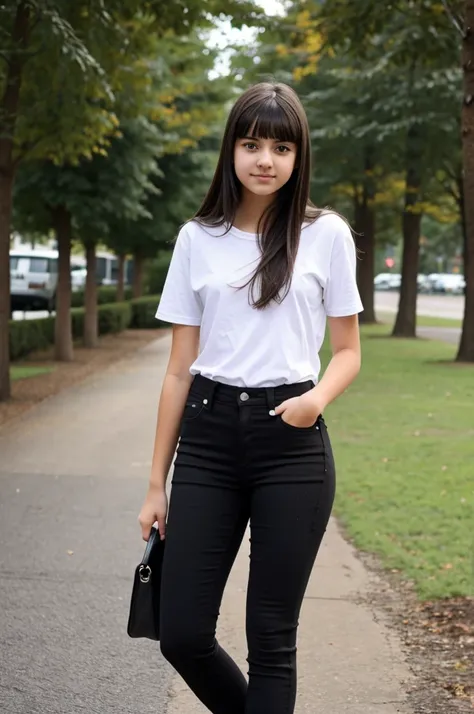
x=17 y=372
x=403 y=436
x=428 y=321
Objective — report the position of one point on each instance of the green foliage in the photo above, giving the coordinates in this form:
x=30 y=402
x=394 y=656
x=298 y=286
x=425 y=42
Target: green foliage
x=23 y=372
x=65 y=97
x=105 y=294
x=143 y=313
x=92 y=190
x=180 y=187
x=135 y=192
x=156 y=272
x=90 y=64
x=29 y=335
x=112 y=318
x=365 y=84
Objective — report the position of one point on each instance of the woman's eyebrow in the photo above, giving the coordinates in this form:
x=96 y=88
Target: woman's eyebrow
x=276 y=141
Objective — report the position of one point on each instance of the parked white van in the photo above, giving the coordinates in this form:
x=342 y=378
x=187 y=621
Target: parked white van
x=107 y=266
x=33 y=279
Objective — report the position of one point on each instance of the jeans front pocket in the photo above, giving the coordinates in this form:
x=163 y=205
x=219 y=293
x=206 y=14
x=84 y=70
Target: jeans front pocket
x=193 y=409
x=297 y=428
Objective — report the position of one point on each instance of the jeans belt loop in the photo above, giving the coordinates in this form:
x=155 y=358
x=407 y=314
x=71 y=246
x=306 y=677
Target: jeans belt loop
x=211 y=394
x=270 y=392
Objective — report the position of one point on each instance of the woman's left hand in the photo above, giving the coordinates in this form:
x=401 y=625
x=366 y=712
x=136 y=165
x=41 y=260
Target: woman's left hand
x=301 y=411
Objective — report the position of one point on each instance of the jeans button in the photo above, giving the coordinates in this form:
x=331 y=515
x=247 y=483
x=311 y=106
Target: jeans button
x=244 y=396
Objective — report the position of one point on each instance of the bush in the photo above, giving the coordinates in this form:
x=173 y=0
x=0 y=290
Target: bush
x=106 y=294
x=114 y=317
x=155 y=273
x=143 y=313
x=29 y=335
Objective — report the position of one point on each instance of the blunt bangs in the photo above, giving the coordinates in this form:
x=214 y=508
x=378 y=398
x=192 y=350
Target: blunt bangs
x=270 y=121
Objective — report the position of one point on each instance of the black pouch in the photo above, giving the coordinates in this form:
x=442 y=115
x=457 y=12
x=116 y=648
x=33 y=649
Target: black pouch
x=144 y=617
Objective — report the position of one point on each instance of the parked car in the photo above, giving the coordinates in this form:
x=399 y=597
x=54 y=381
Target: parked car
x=78 y=278
x=33 y=279
x=387 y=281
x=423 y=283
x=447 y=283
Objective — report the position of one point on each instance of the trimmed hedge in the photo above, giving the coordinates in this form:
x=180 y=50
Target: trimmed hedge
x=114 y=317
x=106 y=295
x=155 y=273
x=143 y=313
x=29 y=335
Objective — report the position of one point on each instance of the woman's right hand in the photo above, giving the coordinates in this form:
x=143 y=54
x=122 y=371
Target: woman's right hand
x=155 y=508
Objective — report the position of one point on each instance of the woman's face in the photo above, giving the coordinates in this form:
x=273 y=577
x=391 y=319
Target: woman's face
x=263 y=166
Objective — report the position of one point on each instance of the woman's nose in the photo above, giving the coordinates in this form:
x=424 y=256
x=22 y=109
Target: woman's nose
x=265 y=159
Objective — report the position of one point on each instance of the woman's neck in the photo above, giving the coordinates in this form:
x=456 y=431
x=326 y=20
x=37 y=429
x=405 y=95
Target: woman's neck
x=250 y=211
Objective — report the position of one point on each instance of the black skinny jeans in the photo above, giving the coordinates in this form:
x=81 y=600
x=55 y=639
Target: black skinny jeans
x=237 y=462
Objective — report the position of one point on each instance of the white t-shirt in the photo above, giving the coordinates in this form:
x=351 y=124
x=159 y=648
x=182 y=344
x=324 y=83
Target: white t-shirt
x=243 y=346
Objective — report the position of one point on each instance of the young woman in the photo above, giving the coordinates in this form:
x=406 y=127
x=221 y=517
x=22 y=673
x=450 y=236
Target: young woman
x=252 y=280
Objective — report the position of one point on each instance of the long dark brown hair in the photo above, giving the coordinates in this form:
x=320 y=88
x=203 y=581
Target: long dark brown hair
x=266 y=111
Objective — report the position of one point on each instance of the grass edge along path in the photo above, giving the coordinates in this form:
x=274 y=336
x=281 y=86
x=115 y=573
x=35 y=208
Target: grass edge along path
x=24 y=372
x=421 y=320
x=403 y=437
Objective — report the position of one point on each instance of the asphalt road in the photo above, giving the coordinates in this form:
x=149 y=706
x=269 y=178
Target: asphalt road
x=72 y=479
x=449 y=306
x=444 y=334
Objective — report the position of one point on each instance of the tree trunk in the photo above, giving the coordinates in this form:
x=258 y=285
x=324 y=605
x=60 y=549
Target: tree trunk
x=8 y=115
x=63 y=329
x=366 y=266
x=405 y=323
x=91 y=316
x=466 y=345
x=137 y=288
x=365 y=227
x=121 y=279
x=6 y=185
x=462 y=212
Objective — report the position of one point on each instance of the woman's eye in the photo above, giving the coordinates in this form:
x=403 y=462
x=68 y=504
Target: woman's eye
x=249 y=145
x=285 y=149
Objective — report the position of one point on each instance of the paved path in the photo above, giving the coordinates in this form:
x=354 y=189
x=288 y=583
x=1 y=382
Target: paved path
x=73 y=473
x=444 y=334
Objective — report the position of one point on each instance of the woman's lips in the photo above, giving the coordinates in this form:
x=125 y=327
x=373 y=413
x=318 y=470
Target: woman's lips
x=263 y=177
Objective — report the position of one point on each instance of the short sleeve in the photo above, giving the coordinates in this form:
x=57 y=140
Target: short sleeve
x=341 y=296
x=179 y=303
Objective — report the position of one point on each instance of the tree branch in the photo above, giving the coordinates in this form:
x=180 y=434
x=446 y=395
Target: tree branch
x=453 y=17
x=450 y=172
